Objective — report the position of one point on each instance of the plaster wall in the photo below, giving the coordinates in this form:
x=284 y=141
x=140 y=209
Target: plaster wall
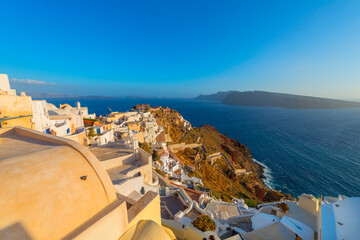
x=15 y=106
x=115 y=162
x=76 y=121
x=102 y=139
x=146 y=169
x=80 y=137
x=4 y=83
x=91 y=116
x=147 y=208
x=46 y=197
x=175 y=226
x=309 y=204
x=44 y=201
x=129 y=185
x=188 y=232
x=106 y=137
x=134 y=126
x=140 y=137
x=40 y=115
x=60 y=127
x=110 y=224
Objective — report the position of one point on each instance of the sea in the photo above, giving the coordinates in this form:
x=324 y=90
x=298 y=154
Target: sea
x=314 y=151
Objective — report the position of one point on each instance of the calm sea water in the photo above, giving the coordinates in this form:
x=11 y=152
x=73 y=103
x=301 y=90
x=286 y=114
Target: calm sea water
x=306 y=151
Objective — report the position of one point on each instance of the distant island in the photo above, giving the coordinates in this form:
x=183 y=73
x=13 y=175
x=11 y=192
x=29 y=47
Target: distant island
x=43 y=95
x=271 y=99
x=39 y=95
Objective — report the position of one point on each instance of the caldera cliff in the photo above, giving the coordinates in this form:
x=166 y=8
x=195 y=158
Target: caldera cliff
x=223 y=164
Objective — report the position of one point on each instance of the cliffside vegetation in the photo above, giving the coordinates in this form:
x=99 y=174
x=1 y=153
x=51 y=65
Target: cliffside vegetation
x=223 y=164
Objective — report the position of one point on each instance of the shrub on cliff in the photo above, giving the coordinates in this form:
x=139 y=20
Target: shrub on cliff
x=284 y=207
x=251 y=203
x=146 y=147
x=274 y=196
x=155 y=156
x=204 y=223
x=160 y=172
x=260 y=192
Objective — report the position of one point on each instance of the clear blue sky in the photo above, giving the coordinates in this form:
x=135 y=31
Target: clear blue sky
x=182 y=48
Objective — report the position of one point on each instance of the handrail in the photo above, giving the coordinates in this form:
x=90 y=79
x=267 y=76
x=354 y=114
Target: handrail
x=10 y=118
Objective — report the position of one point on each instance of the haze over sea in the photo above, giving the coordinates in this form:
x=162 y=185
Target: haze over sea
x=306 y=151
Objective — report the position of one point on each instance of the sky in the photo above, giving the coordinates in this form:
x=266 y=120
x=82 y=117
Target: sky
x=176 y=48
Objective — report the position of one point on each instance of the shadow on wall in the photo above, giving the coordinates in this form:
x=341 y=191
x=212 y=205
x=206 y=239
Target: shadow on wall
x=15 y=231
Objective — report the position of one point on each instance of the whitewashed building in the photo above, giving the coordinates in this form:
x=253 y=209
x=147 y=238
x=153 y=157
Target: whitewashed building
x=100 y=135
x=170 y=166
x=62 y=121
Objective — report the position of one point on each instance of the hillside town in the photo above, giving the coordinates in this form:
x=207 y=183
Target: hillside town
x=133 y=175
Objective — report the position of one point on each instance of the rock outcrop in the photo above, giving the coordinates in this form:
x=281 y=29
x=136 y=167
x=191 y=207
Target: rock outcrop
x=223 y=164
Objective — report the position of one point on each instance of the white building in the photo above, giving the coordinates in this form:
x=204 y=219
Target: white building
x=186 y=124
x=62 y=121
x=341 y=219
x=5 y=85
x=170 y=166
x=150 y=131
x=309 y=218
x=56 y=124
x=100 y=135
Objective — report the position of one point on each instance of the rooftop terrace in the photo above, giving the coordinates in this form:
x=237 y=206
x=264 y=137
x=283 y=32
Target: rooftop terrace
x=111 y=151
x=15 y=145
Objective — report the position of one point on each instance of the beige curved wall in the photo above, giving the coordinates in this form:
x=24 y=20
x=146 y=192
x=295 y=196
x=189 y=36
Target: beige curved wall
x=80 y=138
x=42 y=192
x=15 y=106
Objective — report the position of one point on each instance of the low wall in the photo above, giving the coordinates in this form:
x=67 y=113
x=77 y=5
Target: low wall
x=179 y=147
x=147 y=208
x=110 y=223
x=129 y=185
x=115 y=162
x=188 y=231
x=175 y=226
x=79 y=137
x=145 y=157
x=237 y=219
x=146 y=169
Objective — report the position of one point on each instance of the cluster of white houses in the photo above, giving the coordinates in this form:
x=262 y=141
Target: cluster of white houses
x=114 y=190
x=62 y=121
x=142 y=124
x=307 y=218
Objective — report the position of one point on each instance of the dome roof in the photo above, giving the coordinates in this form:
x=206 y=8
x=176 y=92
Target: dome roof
x=147 y=229
x=65 y=106
x=49 y=185
x=50 y=106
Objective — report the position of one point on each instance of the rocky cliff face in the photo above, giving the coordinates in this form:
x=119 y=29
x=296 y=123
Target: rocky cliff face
x=223 y=164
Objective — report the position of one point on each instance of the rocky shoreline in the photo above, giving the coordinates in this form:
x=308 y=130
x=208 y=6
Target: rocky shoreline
x=223 y=164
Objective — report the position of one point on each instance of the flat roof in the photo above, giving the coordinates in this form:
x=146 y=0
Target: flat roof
x=341 y=219
x=13 y=144
x=174 y=204
x=110 y=151
x=118 y=174
x=301 y=214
